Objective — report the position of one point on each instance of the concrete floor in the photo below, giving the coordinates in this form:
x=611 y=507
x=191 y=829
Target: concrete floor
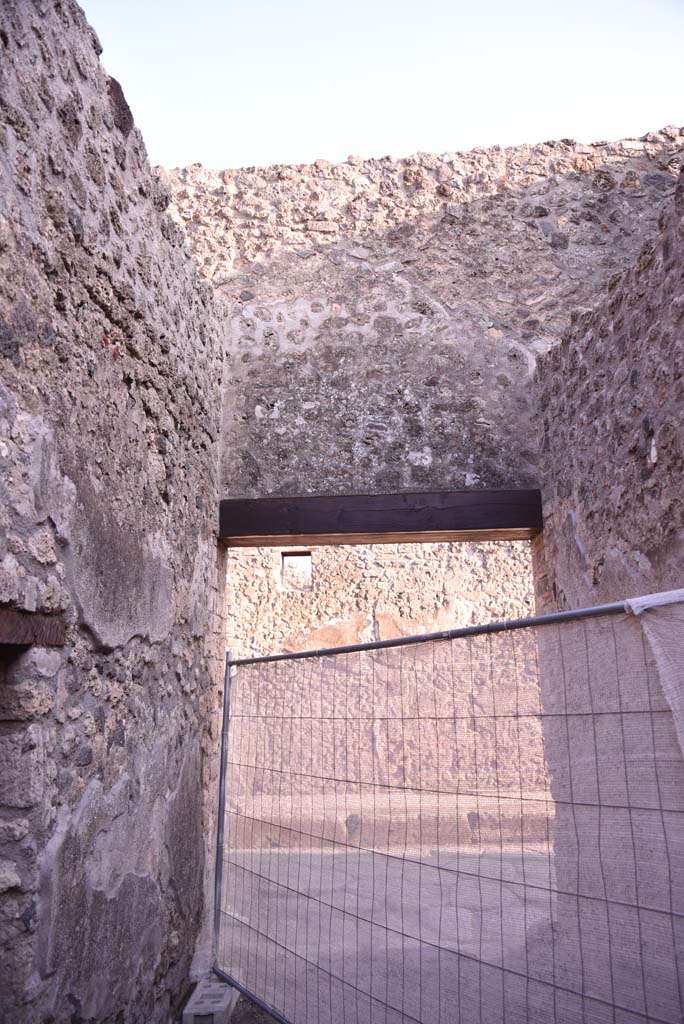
x=320 y=904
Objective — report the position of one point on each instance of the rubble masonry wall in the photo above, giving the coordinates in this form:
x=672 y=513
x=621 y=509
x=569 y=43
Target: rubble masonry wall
x=111 y=351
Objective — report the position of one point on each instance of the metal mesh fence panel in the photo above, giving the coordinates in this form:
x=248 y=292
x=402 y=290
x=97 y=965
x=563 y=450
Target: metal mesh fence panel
x=480 y=830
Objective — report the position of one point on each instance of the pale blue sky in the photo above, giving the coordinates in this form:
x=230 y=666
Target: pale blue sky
x=245 y=82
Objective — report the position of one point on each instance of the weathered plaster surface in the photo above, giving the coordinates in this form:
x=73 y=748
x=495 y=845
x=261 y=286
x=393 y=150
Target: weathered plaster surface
x=110 y=398
x=386 y=314
x=611 y=425
x=372 y=592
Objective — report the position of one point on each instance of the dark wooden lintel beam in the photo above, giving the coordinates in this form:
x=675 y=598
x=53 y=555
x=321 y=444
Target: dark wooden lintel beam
x=381 y=518
x=21 y=629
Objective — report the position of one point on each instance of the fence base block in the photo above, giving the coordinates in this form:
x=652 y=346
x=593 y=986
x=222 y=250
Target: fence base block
x=212 y=1002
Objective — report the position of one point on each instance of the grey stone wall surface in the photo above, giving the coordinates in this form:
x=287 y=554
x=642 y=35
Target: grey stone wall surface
x=611 y=423
x=386 y=315
x=110 y=396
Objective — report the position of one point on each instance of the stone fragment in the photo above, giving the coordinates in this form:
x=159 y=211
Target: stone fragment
x=661 y=182
x=45 y=662
x=21 y=702
x=604 y=181
x=13 y=831
x=324 y=226
x=559 y=240
x=21 y=766
x=123 y=118
x=536 y=210
x=83 y=756
x=9 y=876
x=10 y=575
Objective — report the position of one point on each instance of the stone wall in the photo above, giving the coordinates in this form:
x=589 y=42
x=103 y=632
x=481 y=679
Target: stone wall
x=371 y=592
x=386 y=315
x=611 y=397
x=110 y=384
x=611 y=400
x=383 y=320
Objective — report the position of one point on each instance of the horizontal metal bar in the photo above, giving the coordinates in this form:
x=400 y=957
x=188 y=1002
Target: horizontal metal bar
x=448 y=634
x=250 y=995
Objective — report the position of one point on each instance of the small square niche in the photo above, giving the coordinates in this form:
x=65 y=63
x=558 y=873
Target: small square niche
x=296 y=570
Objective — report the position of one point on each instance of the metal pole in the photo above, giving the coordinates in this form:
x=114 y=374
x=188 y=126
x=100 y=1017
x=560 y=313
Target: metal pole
x=221 y=807
x=218 y=971
x=616 y=608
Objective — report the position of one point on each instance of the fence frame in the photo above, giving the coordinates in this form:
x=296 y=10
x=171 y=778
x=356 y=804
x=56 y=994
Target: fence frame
x=504 y=625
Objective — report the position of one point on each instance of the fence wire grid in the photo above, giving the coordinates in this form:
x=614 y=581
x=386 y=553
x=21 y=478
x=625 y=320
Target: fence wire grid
x=487 y=829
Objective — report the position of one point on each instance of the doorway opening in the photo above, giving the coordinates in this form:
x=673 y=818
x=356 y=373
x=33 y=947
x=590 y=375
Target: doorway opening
x=286 y=599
